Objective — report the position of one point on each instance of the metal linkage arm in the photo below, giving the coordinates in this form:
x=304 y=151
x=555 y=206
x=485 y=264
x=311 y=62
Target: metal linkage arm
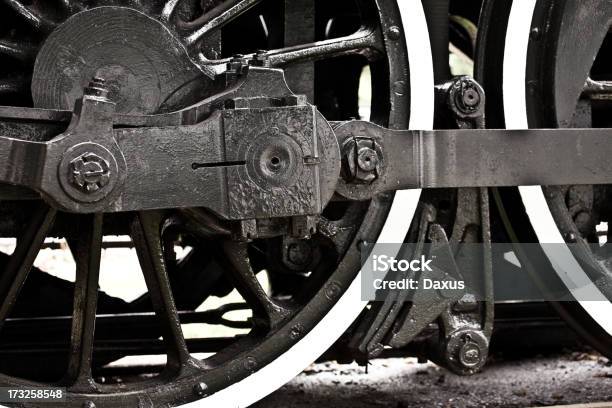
x=262 y=157
x=242 y=162
x=378 y=159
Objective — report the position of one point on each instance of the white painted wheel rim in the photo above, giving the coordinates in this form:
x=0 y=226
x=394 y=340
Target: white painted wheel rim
x=347 y=309
x=515 y=110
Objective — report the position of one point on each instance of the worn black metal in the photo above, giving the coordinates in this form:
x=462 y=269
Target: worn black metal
x=298 y=157
x=338 y=235
x=87 y=251
x=147 y=230
x=477 y=157
x=558 y=73
x=259 y=155
x=285 y=170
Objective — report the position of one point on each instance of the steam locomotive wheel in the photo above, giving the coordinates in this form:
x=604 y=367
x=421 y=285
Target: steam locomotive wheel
x=285 y=334
x=543 y=86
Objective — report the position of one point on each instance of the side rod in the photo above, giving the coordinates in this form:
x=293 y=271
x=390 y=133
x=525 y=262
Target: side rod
x=410 y=159
x=93 y=167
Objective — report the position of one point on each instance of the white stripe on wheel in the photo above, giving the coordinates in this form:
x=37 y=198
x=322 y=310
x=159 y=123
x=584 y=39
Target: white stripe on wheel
x=350 y=305
x=515 y=111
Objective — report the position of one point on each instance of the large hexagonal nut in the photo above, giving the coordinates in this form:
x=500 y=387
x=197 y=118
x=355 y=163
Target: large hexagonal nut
x=361 y=161
x=89 y=172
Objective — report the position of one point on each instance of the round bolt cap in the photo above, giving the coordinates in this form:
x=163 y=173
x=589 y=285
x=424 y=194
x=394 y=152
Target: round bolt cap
x=394 y=33
x=361 y=161
x=469 y=355
x=466 y=351
x=88 y=172
x=367 y=159
x=200 y=389
x=471 y=97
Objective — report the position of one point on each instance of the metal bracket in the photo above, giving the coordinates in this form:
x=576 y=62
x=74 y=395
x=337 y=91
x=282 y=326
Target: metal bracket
x=274 y=155
x=266 y=158
x=481 y=158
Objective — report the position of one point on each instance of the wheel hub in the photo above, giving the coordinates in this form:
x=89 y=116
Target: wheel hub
x=140 y=59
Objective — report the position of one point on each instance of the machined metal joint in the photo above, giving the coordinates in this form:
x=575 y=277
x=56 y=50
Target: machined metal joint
x=466 y=100
x=466 y=351
x=361 y=160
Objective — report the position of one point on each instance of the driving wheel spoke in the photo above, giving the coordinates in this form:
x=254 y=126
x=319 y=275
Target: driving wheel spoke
x=36 y=20
x=147 y=236
x=86 y=251
x=267 y=313
x=214 y=19
x=20 y=50
x=20 y=263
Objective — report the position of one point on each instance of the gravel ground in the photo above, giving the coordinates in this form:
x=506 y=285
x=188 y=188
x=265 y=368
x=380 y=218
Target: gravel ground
x=570 y=378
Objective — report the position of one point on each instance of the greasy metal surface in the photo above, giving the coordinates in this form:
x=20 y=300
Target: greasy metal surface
x=461 y=336
x=473 y=158
x=444 y=158
x=283 y=163
x=559 y=57
x=249 y=155
x=141 y=76
x=289 y=168
x=360 y=222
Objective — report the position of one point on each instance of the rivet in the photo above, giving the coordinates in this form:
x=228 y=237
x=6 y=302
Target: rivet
x=200 y=389
x=399 y=87
x=333 y=291
x=296 y=331
x=394 y=33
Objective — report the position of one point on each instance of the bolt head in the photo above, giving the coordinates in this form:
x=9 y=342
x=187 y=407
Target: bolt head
x=295 y=100
x=361 y=161
x=467 y=96
x=97 y=87
x=200 y=389
x=367 y=159
x=469 y=355
x=237 y=65
x=466 y=351
x=394 y=33
x=89 y=172
x=261 y=59
x=297 y=331
x=471 y=97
